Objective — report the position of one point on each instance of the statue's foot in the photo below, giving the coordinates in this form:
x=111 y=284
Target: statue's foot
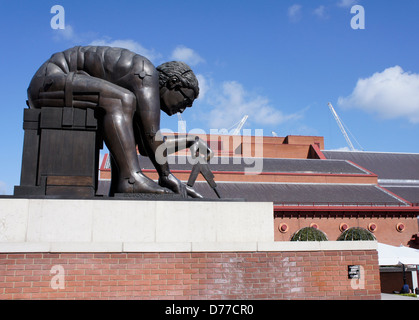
x=139 y=183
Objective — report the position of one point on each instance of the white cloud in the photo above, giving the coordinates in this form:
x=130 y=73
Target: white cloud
x=3 y=188
x=130 y=45
x=390 y=94
x=187 y=55
x=347 y=3
x=70 y=35
x=340 y=149
x=320 y=12
x=230 y=102
x=203 y=86
x=294 y=12
x=66 y=34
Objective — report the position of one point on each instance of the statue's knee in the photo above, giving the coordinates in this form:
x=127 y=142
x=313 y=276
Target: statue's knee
x=119 y=102
x=128 y=101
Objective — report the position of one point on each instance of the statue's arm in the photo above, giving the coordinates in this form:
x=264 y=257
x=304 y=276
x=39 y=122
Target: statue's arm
x=199 y=149
x=197 y=146
x=147 y=128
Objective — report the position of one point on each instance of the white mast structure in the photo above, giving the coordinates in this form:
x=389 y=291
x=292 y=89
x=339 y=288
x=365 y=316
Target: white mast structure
x=181 y=123
x=341 y=127
x=240 y=125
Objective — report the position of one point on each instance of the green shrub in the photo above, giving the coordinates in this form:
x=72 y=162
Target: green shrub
x=309 y=234
x=356 y=234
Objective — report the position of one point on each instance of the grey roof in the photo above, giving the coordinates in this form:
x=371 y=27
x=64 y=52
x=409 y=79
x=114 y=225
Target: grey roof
x=394 y=167
x=409 y=193
x=399 y=166
x=309 y=194
x=239 y=164
x=303 y=193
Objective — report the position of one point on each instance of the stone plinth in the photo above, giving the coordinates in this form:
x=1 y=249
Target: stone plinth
x=112 y=225
x=114 y=249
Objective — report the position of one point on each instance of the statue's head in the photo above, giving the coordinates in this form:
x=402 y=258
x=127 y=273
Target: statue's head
x=178 y=87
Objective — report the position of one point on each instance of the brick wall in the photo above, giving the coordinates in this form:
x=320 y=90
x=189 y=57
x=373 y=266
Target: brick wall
x=192 y=275
x=393 y=281
x=386 y=223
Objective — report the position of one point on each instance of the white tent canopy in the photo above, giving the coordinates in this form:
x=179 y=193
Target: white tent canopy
x=391 y=255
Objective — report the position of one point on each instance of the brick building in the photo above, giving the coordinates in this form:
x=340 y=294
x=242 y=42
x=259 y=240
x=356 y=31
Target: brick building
x=330 y=190
x=110 y=249
x=311 y=187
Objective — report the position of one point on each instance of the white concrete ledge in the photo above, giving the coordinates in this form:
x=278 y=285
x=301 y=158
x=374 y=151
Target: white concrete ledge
x=49 y=225
x=280 y=246
x=224 y=246
x=317 y=245
x=26 y=247
x=86 y=247
x=157 y=247
x=131 y=221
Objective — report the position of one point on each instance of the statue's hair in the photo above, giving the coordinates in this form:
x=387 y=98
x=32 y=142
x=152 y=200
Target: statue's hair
x=180 y=70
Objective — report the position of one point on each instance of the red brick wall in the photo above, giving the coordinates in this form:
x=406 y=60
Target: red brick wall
x=250 y=275
x=386 y=231
x=393 y=281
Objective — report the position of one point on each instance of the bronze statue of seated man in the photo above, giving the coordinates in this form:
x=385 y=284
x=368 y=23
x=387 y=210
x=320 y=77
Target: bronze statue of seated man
x=131 y=92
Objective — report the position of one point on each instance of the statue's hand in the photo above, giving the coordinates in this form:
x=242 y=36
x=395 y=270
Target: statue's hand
x=174 y=184
x=200 y=148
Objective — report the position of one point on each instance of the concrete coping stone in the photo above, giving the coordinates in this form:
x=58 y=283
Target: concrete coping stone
x=46 y=225
x=125 y=247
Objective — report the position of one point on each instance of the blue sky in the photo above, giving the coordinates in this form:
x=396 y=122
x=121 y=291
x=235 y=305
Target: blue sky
x=280 y=62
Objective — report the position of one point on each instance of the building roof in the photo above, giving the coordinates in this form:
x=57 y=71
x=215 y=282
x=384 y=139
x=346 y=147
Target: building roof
x=337 y=178
x=295 y=194
x=290 y=194
x=399 y=166
x=397 y=172
x=409 y=193
x=239 y=164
